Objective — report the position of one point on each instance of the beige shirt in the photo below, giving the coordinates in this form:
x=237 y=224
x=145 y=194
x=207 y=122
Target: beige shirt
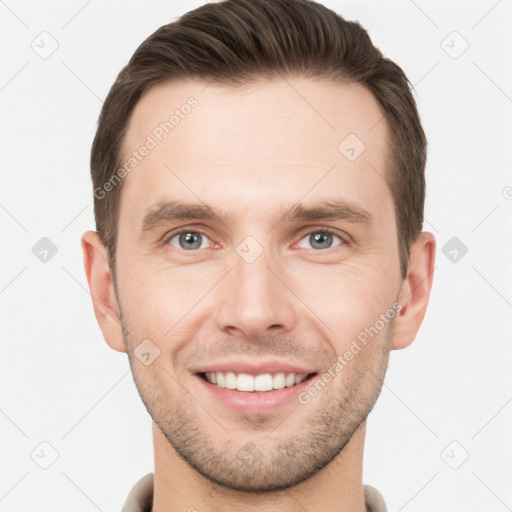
x=140 y=498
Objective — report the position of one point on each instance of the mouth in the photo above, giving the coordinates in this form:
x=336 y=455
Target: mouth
x=263 y=393
x=253 y=386
x=261 y=383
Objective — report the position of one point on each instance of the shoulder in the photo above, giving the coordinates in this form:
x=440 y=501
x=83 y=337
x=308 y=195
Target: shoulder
x=140 y=497
x=374 y=499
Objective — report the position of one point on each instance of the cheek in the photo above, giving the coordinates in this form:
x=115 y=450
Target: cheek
x=159 y=304
x=347 y=299
x=162 y=302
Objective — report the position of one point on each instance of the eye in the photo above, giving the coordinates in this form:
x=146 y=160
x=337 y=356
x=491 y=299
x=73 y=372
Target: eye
x=321 y=239
x=189 y=240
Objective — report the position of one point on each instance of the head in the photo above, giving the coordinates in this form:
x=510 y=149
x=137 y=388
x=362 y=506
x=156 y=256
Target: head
x=258 y=171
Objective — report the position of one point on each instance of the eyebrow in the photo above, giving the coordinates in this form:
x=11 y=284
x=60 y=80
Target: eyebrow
x=329 y=210
x=170 y=211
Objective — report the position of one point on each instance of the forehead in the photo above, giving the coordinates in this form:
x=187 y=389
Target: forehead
x=266 y=141
x=322 y=110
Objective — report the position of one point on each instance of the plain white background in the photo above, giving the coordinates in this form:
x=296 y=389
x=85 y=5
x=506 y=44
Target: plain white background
x=439 y=437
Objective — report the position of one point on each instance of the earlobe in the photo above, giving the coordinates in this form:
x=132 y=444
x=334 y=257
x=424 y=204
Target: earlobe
x=101 y=287
x=415 y=291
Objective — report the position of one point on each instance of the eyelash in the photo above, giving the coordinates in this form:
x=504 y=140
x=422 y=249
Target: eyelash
x=343 y=238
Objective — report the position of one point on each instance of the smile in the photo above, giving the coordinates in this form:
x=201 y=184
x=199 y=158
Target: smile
x=251 y=383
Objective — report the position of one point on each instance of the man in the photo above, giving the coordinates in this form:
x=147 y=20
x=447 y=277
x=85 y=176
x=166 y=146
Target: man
x=259 y=185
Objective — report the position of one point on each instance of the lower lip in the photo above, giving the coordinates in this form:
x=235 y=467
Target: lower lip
x=255 y=402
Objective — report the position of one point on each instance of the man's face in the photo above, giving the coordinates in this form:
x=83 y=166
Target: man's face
x=258 y=286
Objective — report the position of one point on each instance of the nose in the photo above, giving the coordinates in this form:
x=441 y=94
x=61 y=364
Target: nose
x=254 y=299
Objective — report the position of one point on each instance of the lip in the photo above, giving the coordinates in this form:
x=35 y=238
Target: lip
x=254 y=402
x=254 y=368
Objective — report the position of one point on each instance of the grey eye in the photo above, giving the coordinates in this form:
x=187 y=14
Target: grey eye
x=189 y=240
x=320 y=240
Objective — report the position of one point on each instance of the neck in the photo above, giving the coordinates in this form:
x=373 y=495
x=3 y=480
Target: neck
x=338 y=486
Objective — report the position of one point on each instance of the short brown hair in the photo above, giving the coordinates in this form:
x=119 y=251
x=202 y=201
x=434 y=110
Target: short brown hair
x=242 y=41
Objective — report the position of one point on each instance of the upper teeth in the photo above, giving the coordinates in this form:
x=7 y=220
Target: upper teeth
x=245 y=382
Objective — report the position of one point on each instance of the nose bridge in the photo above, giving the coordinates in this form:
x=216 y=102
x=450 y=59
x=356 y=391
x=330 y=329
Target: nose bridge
x=253 y=298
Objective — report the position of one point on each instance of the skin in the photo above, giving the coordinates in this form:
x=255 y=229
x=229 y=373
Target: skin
x=254 y=152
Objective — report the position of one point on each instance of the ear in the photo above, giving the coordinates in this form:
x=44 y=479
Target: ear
x=101 y=286
x=415 y=291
